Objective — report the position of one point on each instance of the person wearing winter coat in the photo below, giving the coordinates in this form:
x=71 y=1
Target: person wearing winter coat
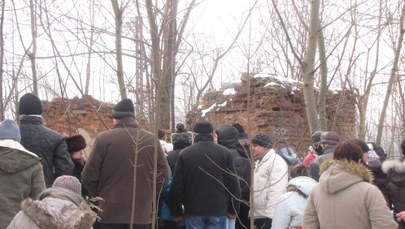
x=75 y=145
x=60 y=206
x=181 y=139
x=227 y=136
x=204 y=183
x=47 y=144
x=117 y=155
x=395 y=170
x=328 y=144
x=21 y=174
x=291 y=205
x=315 y=149
x=270 y=180
x=345 y=197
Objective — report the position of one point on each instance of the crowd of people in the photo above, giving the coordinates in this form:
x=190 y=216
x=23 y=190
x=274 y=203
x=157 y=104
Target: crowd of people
x=208 y=178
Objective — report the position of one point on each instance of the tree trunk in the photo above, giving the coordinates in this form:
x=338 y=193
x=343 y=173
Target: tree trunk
x=393 y=77
x=118 y=12
x=3 y=3
x=324 y=79
x=33 y=53
x=88 y=67
x=308 y=68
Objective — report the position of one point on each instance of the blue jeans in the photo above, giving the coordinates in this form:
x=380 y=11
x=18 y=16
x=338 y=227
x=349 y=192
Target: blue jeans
x=205 y=222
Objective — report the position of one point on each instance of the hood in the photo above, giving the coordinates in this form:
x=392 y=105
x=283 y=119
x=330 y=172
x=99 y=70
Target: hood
x=227 y=136
x=14 y=158
x=396 y=165
x=82 y=217
x=396 y=171
x=337 y=175
x=303 y=183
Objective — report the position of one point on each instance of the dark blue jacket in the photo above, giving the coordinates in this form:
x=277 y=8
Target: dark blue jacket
x=49 y=145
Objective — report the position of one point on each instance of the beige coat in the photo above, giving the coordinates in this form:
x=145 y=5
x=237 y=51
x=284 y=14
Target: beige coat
x=345 y=198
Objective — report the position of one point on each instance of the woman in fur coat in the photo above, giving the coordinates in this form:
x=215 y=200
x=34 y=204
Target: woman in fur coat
x=395 y=170
x=60 y=206
x=345 y=196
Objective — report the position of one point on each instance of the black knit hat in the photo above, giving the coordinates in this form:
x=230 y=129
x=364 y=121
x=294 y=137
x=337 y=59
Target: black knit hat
x=262 y=140
x=75 y=143
x=30 y=104
x=124 y=108
x=203 y=127
x=242 y=135
x=330 y=138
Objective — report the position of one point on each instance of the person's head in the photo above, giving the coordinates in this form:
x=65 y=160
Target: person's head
x=203 y=127
x=316 y=141
x=161 y=134
x=364 y=148
x=261 y=144
x=349 y=150
x=9 y=130
x=329 y=139
x=70 y=183
x=241 y=132
x=75 y=145
x=180 y=128
x=182 y=140
x=298 y=170
x=226 y=135
x=30 y=104
x=124 y=108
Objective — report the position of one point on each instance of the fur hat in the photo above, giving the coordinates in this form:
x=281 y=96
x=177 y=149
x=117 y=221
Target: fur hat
x=10 y=130
x=124 y=108
x=316 y=137
x=242 y=135
x=68 y=182
x=262 y=140
x=30 y=104
x=203 y=127
x=75 y=143
x=330 y=138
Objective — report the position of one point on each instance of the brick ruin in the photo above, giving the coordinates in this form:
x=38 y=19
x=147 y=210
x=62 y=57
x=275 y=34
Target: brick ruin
x=276 y=107
x=86 y=116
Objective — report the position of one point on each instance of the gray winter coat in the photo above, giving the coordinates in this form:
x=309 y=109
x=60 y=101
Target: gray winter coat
x=48 y=145
x=21 y=177
x=56 y=208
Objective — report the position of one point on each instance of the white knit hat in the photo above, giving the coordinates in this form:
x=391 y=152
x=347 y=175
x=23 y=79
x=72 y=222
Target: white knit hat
x=68 y=182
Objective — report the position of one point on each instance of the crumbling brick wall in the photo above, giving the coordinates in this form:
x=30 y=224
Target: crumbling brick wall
x=275 y=107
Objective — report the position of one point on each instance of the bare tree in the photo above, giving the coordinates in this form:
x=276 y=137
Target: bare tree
x=3 y=3
x=393 y=76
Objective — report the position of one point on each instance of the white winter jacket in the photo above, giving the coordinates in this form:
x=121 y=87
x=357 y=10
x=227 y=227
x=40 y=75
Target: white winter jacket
x=291 y=206
x=270 y=182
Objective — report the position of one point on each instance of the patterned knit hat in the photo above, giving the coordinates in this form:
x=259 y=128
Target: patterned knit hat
x=316 y=137
x=30 y=104
x=68 y=182
x=262 y=140
x=124 y=108
x=10 y=130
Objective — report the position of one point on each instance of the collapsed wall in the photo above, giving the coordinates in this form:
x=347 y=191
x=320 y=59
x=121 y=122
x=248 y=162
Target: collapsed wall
x=274 y=106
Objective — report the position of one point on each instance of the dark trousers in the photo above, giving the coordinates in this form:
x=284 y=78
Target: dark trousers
x=123 y=226
x=263 y=223
x=243 y=220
